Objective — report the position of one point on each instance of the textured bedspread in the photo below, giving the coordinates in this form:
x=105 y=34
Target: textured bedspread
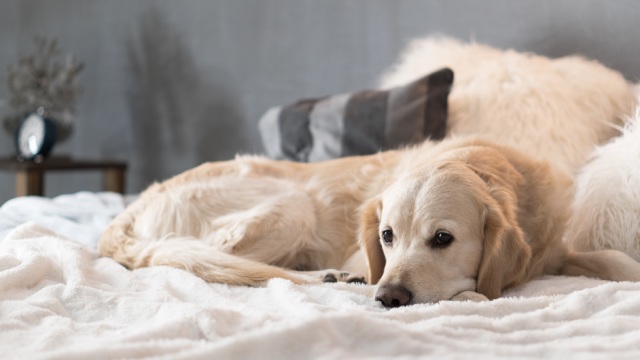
x=58 y=299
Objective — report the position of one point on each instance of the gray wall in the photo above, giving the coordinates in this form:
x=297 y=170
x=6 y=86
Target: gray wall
x=170 y=84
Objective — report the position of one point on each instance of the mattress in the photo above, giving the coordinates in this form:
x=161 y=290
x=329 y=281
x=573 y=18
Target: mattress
x=60 y=300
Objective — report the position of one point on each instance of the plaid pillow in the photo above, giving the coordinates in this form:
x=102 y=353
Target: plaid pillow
x=358 y=123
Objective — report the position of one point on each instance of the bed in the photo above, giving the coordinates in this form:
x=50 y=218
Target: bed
x=60 y=300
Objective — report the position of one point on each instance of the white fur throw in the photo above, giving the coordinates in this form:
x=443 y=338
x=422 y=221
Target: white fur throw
x=607 y=200
x=60 y=300
x=558 y=109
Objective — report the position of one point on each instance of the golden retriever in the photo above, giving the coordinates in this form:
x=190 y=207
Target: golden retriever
x=461 y=219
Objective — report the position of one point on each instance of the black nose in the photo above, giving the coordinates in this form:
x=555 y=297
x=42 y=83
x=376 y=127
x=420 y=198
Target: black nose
x=393 y=295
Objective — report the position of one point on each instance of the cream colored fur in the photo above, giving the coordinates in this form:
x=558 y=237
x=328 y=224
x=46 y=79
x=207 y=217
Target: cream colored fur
x=556 y=109
x=251 y=219
x=225 y=221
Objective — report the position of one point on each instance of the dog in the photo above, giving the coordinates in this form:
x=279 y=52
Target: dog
x=462 y=219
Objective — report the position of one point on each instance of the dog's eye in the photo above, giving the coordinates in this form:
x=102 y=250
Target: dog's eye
x=387 y=237
x=442 y=239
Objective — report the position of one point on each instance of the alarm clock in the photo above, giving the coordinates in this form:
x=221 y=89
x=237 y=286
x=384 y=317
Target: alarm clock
x=35 y=137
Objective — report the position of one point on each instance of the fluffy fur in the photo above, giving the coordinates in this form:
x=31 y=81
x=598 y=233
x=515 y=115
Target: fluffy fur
x=248 y=220
x=607 y=202
x=557 y=109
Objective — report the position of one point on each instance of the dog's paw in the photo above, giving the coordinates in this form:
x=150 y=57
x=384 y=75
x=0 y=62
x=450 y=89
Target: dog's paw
x=337 y=276
x=469 y=296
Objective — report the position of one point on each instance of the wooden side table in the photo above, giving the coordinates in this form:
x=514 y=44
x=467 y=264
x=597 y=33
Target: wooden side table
x=30 y=175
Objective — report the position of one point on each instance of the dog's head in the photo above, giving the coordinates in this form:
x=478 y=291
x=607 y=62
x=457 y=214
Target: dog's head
x=445 y=229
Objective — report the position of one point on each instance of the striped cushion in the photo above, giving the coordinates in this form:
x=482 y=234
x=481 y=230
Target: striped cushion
x=358 y=123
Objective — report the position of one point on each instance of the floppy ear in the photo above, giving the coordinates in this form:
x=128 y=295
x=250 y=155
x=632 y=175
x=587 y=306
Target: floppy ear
x=506 y=255
x=370 y=239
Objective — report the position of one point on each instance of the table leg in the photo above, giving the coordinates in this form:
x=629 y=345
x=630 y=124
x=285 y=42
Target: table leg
x=114 y=180
x=29 y=182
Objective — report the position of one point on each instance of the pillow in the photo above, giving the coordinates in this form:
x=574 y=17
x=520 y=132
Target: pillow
x=358 y=123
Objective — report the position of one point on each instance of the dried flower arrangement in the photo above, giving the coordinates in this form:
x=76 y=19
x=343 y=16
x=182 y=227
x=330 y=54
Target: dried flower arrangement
x=42 y=80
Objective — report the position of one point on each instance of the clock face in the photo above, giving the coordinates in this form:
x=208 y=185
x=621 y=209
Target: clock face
x=31 y=136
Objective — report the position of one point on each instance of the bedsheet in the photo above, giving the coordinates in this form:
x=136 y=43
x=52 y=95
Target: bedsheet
x=60 y=300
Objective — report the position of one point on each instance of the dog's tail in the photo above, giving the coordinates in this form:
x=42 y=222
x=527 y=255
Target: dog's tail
x=194 y=256
x=120 y=242
x=604 y=264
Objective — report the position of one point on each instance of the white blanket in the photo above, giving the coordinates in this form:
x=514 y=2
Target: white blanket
x=60 y=300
